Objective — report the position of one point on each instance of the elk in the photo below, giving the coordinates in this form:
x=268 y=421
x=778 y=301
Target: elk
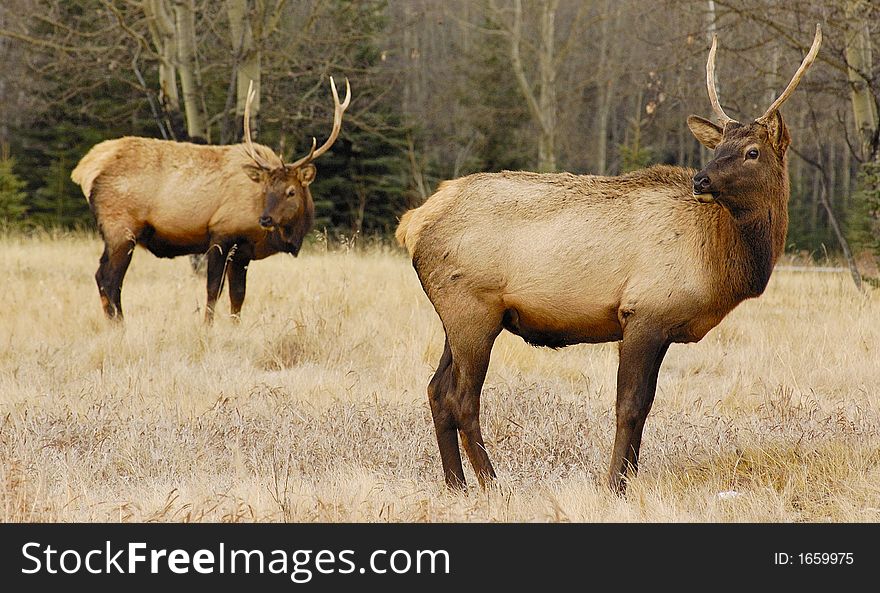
x=237 y=203
x=646 y=259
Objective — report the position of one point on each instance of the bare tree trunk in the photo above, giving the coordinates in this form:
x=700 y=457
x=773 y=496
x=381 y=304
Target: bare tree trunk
x=823 y=197
x=186 y=47
x=815 y=198
x=832 y=176
x=417 y=170
x=860 y=66
x=606 y=79
x=547 y=103
x=163 y=33
x=410 y=56
x=5 y=103
x=247 y=63
x=360 y=211
x=711 y=27
x=543 y=108
x=835 y=226
x=846 y=177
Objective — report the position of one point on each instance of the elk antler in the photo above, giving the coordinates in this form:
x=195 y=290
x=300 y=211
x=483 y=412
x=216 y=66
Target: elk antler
x=248 y=143
x=808 y=61
x=710 y=84
x=337 y=126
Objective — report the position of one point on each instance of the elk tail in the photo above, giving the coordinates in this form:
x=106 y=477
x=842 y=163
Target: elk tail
x=91 y=166
x=413 y=222
x=400 y=233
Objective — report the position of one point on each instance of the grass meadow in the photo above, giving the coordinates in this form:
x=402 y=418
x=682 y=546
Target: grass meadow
x=314 y=407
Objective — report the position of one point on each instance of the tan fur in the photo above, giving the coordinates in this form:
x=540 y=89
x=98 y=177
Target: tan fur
x=562 y=259
x=647 y=259
x=412 y=222
x=177 y=187
x=576 y=251
x=177 y=198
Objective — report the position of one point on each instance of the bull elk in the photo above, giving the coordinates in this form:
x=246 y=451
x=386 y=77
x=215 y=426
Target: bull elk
x=237 y=202
x=649 y=258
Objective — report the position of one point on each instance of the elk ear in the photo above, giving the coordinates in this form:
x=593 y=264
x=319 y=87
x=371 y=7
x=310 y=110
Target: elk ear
x=255 y=173
x=306 y=174
x=777 y=131
x=707 y=133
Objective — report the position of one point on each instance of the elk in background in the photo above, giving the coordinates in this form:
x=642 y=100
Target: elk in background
x=236 y=203
x=649 y=258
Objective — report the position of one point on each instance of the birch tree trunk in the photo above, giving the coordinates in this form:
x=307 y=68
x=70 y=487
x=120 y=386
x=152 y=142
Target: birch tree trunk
x=163 y=33
x=543 y=108
x=248 y=58
x=185 y=26
x=547 y=103
x=607 y=79
x=859 y=60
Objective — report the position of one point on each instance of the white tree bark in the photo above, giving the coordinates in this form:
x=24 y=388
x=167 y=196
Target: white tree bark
x=184 y=13
x=162 y=31
x=859 y=58
x=249 y=56
x=543 y=107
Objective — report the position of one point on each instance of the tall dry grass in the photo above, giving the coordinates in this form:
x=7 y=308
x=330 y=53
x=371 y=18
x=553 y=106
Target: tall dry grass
x=313 y=409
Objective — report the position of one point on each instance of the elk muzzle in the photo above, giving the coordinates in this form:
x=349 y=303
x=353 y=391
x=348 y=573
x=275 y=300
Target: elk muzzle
x=267 y=222
x=703 y=188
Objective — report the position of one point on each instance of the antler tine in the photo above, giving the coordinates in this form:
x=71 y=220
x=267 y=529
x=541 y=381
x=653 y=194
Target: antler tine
x=309 y=156
x=248 y=143
x=710 y=85
x=339 y=109
x=808 y=61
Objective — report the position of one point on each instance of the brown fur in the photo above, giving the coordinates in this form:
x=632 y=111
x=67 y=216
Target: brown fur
x=178 y=198
x=561 y=259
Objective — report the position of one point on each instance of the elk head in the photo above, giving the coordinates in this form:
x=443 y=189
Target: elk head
x=286 y=193
x=749 y=161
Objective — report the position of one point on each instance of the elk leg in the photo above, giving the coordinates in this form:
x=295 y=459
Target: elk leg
x=215 y=270
x=111 y=271
x=651 y=390
x=469 y=349
x=237 y=275
x=641 y=354
x=470 y=377
x=439 y=390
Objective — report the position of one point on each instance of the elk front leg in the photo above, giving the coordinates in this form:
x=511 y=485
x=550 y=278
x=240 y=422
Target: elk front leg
x=641 y=354
x=237 y=274
x=217 y=255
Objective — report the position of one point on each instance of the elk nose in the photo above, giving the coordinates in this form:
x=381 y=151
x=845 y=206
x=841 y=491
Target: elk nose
x=701 y=183
x=266 y=222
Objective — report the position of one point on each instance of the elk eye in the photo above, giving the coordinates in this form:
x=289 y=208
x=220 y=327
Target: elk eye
x=752 y=154
x=291 y=190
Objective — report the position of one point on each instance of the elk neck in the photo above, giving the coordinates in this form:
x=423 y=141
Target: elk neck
x=756 y=239
x=289 y=238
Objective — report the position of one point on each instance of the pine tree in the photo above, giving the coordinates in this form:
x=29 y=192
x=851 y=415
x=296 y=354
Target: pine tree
x=57 y=201
x=500 y=118
x=865 y=220
x=363 y=179
x=13 y=205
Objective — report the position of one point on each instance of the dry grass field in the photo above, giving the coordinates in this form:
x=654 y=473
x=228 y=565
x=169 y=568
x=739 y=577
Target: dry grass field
x=314 y=407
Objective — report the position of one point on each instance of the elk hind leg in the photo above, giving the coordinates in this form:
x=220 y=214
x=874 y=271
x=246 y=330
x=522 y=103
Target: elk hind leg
x=469 y=346
x=111 y=272
x=439 y=398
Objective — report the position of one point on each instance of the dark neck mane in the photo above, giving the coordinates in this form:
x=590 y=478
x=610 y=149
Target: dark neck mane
x=754 y=251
